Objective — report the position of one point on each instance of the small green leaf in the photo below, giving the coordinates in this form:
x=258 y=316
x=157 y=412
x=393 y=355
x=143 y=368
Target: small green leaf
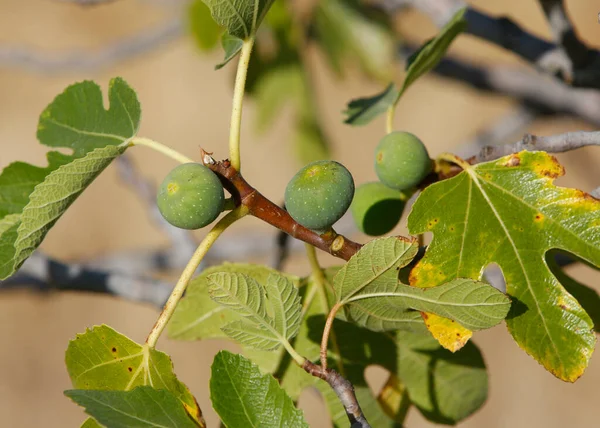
x=363 y=110
x=241 y=18
x=474 y=305
x=446 y=387
x=102 y=359
x=77 y=118
x=509 y=212
x=143 y=406
x=52 y=197
x=433 y=50
x=378 y=262
x=203 y=27
x=232 y=47
x=244 y=397
x=270 y=313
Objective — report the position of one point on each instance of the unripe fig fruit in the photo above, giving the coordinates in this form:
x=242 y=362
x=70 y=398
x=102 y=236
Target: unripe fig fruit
x=376 y=208
x=319 y=194
x=191 y=196
x=401 y=160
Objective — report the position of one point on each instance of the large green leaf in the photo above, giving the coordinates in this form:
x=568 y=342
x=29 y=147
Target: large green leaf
x=76 y=119
x=244 y=397
x=510 y=213
x=241 y=18
x=270 y=312
x=143 y=406
x=446 y=387
x=368 y=285
x=102 y=359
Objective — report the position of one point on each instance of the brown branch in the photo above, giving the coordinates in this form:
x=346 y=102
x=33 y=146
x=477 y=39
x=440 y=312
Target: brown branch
x=262 y=208
x=343 y=389
x=552 y=144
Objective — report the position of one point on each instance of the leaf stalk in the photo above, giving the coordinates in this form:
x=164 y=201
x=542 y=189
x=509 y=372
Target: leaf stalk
x=189 y=271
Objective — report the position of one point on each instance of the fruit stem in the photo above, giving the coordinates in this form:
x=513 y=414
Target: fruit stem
x=449 y=157
x=161 y=148
x=238 y=98
x=320 y=283
x=189 y=271
x=326 y=332
x=389 y=122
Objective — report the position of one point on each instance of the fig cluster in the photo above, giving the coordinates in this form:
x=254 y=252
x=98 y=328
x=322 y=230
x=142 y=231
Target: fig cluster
x=191 y=196
x=401 y=163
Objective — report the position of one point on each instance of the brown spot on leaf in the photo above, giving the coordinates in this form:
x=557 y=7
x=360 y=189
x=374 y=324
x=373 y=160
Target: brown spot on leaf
x=539 y=217
x=130 y=369
x=513 y=160
x=424 y=315
x=379 y=157
x=114 y=349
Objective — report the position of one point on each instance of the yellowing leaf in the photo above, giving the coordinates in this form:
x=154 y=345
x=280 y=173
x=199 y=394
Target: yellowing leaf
x=448 y=333
x=510 y=213
x=102 y=359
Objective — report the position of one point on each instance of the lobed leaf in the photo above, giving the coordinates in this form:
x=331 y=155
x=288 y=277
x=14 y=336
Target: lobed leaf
x=102 y=359
x=509 y=212
x=242 y=396
x=143 y=406
x=36 y=197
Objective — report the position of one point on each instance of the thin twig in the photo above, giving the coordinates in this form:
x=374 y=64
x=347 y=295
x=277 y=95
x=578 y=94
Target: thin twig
x=514 y=123
x=551 y=144
x=343 y=389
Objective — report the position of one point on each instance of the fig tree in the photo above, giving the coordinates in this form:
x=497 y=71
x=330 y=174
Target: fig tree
x=376 y=208
x=401 y=160
x=319 y=194
x=191 y=196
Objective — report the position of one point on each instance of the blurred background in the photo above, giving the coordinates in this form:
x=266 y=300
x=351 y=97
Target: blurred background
x=186 y=104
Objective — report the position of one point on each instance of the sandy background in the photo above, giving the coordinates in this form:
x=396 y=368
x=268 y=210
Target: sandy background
x=185 y=104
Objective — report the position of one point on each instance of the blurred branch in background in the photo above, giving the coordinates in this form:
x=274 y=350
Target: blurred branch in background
x=551 y=144
x=81 y=60
x=504 y=32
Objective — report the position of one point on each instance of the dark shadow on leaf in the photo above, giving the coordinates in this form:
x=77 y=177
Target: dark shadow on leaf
x=517 y=308
x=357 y=345
x=587 y=297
